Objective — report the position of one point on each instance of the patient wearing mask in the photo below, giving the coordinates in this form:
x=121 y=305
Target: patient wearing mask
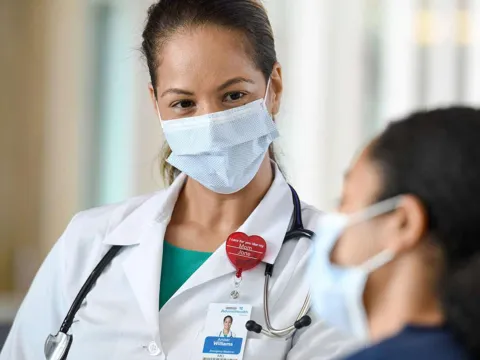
x=398 y=265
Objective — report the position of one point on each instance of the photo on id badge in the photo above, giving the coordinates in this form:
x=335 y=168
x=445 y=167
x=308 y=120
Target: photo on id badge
x=225 y=332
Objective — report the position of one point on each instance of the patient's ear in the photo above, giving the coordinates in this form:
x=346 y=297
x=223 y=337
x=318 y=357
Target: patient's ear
x=407 y=224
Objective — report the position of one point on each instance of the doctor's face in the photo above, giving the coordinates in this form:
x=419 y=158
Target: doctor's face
x=207 y=69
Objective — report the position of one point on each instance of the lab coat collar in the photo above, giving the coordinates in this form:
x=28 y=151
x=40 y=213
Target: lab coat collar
x=270 y=219
x=146 y=226
x=157 y=209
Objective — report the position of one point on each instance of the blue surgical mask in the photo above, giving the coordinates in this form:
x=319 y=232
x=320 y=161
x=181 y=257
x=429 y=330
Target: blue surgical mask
x=337 y=292
x=223 y=151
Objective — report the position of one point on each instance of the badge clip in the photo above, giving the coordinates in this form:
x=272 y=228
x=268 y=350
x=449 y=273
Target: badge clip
x=244 y=252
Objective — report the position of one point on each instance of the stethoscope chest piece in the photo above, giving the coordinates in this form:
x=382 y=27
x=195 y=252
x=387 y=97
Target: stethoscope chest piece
x=57 y=346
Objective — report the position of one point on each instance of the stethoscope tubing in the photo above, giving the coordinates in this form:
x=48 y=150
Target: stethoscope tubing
x=87 y=286
x=296 y=231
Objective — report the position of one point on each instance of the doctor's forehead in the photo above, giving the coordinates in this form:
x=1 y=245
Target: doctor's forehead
x=361 y=184
x=205 y=55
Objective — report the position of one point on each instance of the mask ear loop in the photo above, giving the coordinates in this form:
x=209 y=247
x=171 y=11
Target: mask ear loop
x=374 y=210
x=378 y=261
x=158 y=113
x=371 y=212
x=266 y=93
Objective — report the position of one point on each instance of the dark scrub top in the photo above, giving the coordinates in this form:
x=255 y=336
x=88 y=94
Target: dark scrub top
x=416 y=343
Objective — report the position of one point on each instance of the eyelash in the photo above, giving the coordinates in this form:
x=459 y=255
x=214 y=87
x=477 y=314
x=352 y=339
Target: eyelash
x=241 y=93
x=177 y=103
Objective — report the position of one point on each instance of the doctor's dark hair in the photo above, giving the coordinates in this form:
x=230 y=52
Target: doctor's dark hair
x=166 y=17
x=228 y=317
x=435 y=156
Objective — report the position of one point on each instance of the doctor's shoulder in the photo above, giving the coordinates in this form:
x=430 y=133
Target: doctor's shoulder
x=104 y=219
x=301 y=246
x=310 y=215
x=84 y=239
x=68 y=264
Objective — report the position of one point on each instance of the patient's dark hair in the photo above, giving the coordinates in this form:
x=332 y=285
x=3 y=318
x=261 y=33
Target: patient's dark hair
x=166 y=17
x=435 y=156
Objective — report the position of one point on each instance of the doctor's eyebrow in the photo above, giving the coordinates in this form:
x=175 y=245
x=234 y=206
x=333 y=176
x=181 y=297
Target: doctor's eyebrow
x=234 y=81
x=225 y=85
x=177 y=92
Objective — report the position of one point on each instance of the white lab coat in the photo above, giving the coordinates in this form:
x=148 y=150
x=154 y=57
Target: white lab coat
x=120 y=318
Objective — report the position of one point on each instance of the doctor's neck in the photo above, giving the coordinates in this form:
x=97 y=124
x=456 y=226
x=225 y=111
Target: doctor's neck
x=222 y=213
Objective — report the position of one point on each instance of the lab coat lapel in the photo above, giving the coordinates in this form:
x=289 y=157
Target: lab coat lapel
x=144 y=230
x=270 y=220
x=142 y=269
x=217 y=265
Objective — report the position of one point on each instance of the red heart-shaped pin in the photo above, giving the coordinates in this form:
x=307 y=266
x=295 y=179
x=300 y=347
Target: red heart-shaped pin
x=245 y=252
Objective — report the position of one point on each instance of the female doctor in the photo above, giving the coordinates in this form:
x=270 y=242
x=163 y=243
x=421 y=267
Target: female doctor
x=215 y=82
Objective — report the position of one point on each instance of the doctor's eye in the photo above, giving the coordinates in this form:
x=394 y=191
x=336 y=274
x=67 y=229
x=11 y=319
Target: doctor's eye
x=234 y=96
x=183 y=104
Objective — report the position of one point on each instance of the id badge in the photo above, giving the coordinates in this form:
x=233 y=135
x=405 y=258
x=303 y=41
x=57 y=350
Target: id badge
x=225 y=332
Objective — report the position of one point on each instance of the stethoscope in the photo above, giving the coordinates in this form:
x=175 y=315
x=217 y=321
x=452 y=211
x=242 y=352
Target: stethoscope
x=296 y=231
x=57 y=346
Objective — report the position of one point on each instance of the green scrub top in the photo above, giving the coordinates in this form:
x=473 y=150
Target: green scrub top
x=177 y=266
